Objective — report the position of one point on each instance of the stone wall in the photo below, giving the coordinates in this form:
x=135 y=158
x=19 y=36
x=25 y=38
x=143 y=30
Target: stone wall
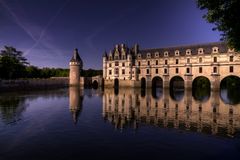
x=29 y=84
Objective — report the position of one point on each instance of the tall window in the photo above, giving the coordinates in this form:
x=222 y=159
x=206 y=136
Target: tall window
x=176 y=70
x=110 y=72
x=166 y=61
x=176 y=61
x=231 y=58
x=188 y=60
x=156 y=62
x=200 y=60
x=148 y=62
x=110 y=64
x=215 y=59
x=123 y=64
x=139 y=63
x=123 y=71
x=116 y=63
x=147 y=71
x=200 y=69
x=116 y=71
x=156 y=71
x=214 y=69
x=165 y=70
x=231 y=69
x=188 y=70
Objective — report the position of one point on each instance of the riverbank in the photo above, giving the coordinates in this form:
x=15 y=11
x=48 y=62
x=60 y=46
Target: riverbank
x=33 y=84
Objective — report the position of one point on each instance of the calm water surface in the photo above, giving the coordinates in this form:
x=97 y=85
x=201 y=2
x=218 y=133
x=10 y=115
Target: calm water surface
x=128 y=124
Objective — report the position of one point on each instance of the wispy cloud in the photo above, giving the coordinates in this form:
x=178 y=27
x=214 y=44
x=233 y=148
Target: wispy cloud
x=42 y=32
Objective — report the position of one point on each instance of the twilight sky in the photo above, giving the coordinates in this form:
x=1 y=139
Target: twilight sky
x=47 y=31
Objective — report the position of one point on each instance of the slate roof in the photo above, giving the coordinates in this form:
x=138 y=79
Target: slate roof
x=76 y=57
x=207 y=47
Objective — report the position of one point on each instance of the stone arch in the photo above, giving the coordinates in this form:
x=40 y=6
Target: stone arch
x=95 y=84
x=177 y=82
x=201 y=88
x=157 y=82
x=229 y=89
x=177 y=88
x=116 y=83
x=143 y=83
x=157 y=85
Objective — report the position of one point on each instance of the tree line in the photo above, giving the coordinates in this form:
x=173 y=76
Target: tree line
x=13 y=65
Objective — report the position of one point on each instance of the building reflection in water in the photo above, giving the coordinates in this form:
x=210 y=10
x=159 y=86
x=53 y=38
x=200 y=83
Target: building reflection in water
x=75 y=102
x=180 y=110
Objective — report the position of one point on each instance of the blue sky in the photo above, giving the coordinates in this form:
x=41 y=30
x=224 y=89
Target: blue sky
x=48 y=31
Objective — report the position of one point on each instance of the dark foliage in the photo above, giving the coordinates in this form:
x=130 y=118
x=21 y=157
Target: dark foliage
x=225 y=15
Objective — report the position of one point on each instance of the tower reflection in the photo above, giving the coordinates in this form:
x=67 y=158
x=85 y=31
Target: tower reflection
x=75 y=102
x=208 y=114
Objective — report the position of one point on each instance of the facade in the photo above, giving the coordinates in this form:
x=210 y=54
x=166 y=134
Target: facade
x=75 y=65
x=133 y=67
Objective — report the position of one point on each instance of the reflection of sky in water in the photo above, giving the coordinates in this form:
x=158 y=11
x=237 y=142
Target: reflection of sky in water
x=46 y=130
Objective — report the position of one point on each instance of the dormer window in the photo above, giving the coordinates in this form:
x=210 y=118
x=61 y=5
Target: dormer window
x=156 y=54
x=139 y=55
x=231 y=50
x=177 y=53
x=188 y=52
x=215 y=50
x=166 y=53
x=148 y=55
x=200 y=51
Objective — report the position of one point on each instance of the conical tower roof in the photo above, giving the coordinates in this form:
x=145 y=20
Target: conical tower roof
x=76 y=57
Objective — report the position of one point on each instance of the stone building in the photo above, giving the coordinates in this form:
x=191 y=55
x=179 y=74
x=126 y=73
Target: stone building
x=134 y=67
x=75 y=65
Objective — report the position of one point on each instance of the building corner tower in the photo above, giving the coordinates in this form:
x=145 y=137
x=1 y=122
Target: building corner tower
x=75 y=66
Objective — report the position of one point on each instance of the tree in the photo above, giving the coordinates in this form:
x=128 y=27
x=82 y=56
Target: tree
x=12 y=63
x=225 y=15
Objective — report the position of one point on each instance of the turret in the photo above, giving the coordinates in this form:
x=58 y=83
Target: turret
x=75 y=65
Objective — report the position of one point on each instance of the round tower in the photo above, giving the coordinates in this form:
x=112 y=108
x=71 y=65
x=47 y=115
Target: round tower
x=75 y=66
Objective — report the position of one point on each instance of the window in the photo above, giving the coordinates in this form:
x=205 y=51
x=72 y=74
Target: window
x=188 y=60
x=214 y=59
x=166 y=61
x=200 y=69
x=139 y=71
x=139 y=55
x=116 y=63
x=165 y=70
x=231 y=69
x=231 y=58
x=139 y=63
x=156 y=71
x=200 y=60
x=214 y=69
x=176 y=70
x=123 y=64
x=147 y=71
x=148 y=62
x=156 y=62
x=215 y=49
x=116 y=71
x=165 y=53
x=176 y=61
x=188 y=52
x=110 y=72
x=177 y=53
x=156 y=54
x=123 y=71
x=149 y=55
x=188 y=70
x=110 y=64
x=200 y=51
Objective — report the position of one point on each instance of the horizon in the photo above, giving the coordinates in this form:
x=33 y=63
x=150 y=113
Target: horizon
x=48 y=38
